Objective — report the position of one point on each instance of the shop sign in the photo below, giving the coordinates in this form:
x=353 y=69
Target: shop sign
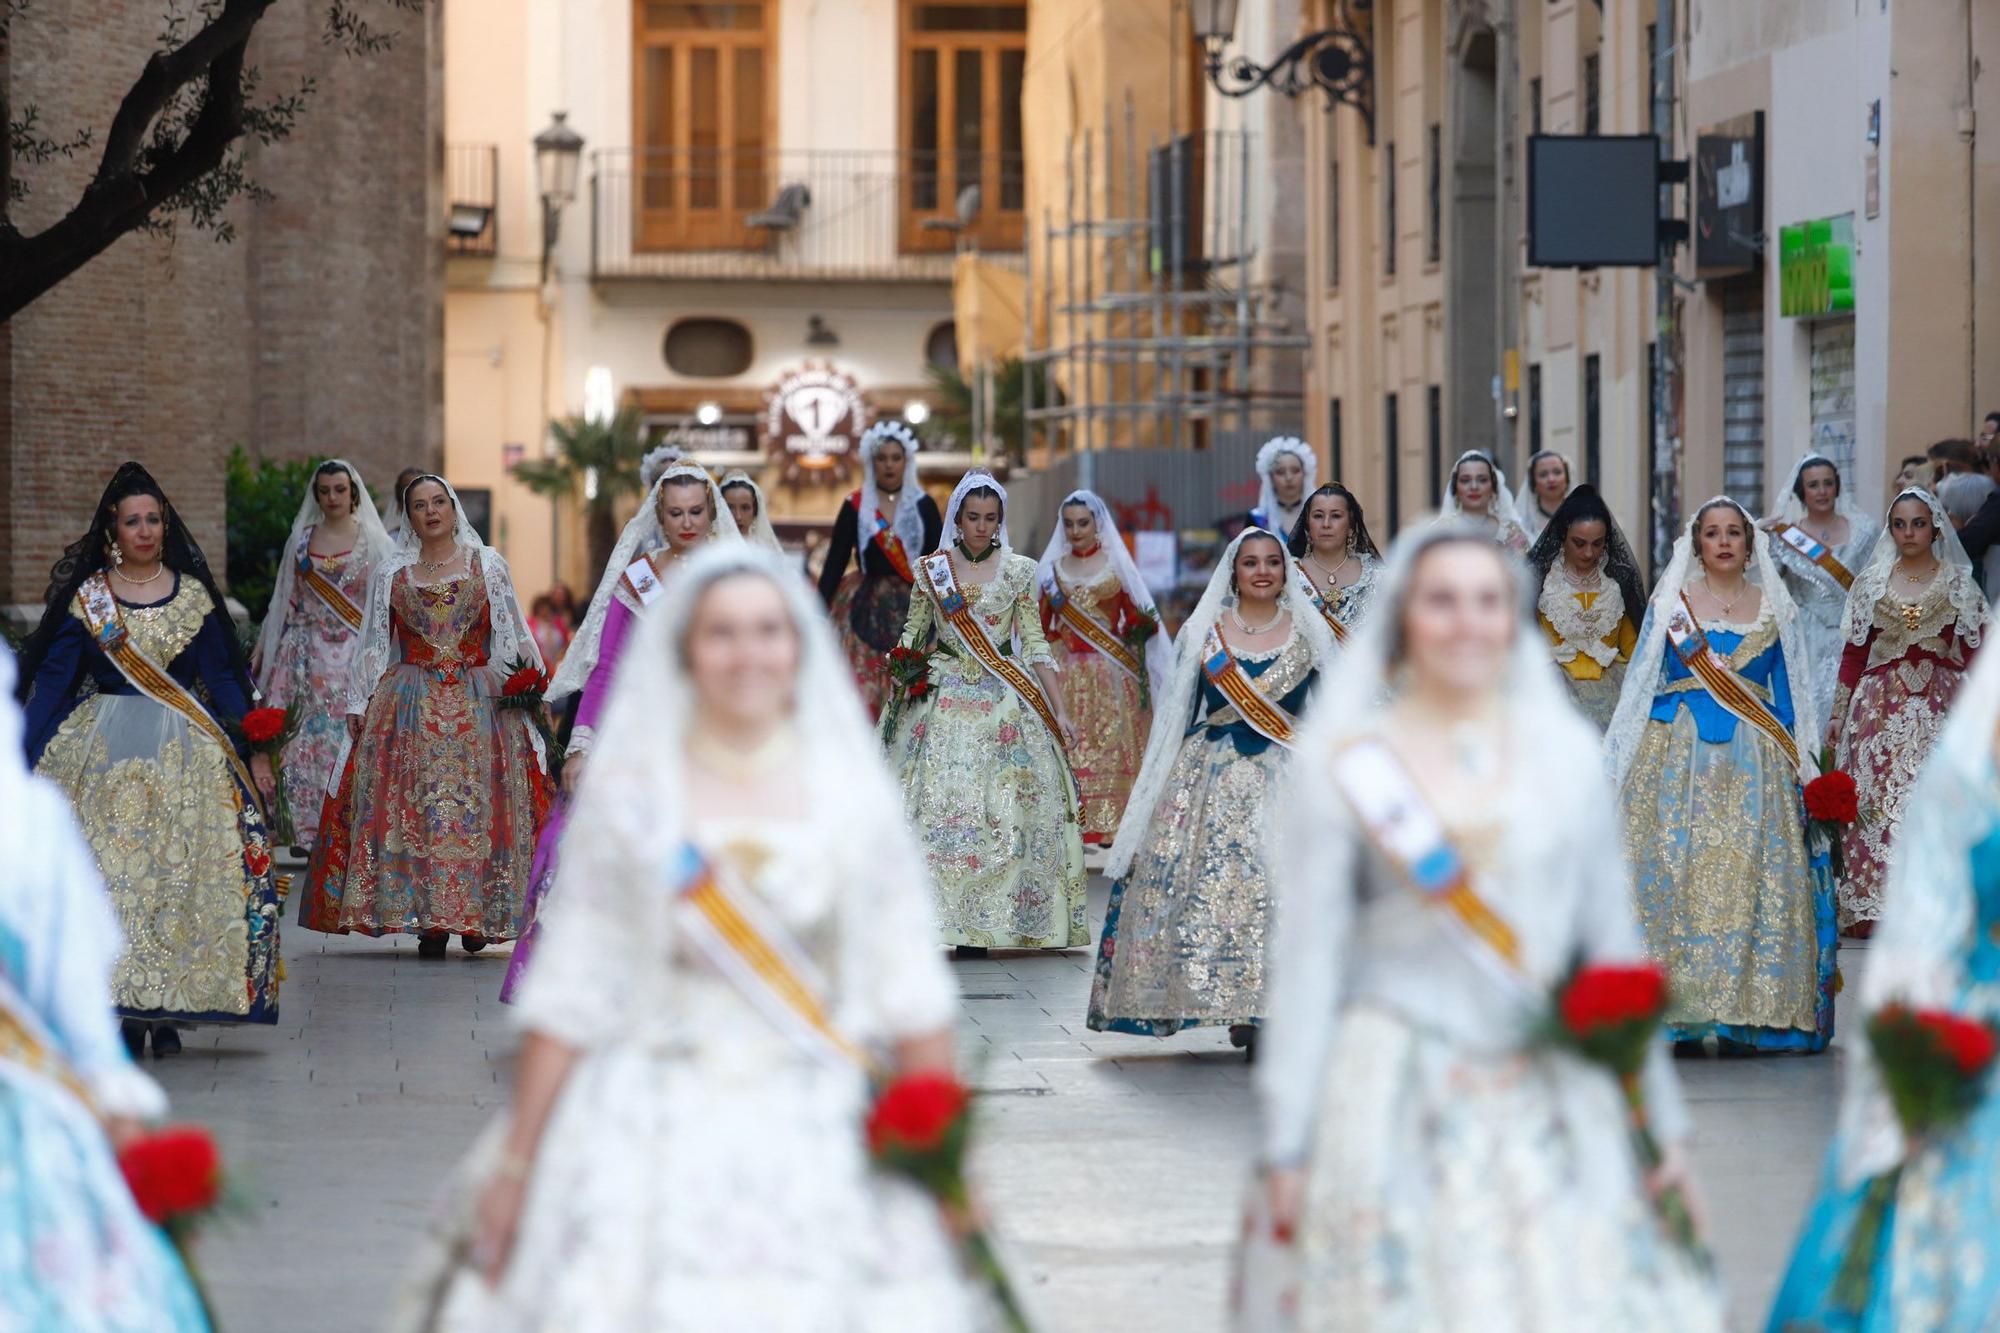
x=1729 y=196
x=1816 y=267
x=813 y=421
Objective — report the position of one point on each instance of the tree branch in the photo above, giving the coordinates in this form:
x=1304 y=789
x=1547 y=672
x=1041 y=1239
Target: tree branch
x=165 y=74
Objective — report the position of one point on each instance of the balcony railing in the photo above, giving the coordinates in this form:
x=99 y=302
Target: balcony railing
x=891 y=216
x=472 y=193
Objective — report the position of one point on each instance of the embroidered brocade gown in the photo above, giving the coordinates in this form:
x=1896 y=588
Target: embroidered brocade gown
x=1937 y=1266
x=983 y=781
x=870 y=604
x=1184 y=935
x=1890 y=703
x=1593 y=686
x=1734 y=906
x=314 y=653
x=433 y=825
x=1822 y=602
x=179 y=841
x=1108 y=708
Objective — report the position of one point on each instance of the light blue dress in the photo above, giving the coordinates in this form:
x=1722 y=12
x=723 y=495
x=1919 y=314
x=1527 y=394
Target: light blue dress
x=1735 y=906
x=76 y=1255
x=1938 y=1267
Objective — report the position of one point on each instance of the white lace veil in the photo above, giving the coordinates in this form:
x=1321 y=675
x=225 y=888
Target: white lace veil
x=1159 y=648
x=512 y=640
x=1503 y=508
x=970 y=482
x=371 y=543
x=1793 y=510
x=1642 y=677
x=1267 y=458
x=1525 y=505
x=908 y=521
x=1174 y=705
x=761 y=532
x=657 y=460
x=642 y=535
x=1871 y=582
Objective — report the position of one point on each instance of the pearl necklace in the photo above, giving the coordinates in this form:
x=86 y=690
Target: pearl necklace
x=1237 y=616
x=153 y=577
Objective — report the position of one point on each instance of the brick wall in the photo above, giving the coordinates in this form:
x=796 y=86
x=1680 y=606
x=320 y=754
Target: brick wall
x=318 y=330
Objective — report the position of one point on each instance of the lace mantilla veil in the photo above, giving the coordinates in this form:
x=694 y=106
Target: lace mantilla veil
x=761 y=533
x=1503 y=509
x=642 y=535
x=1793 y=510
x=1871 y=581
x=1526 y=506
x=1159 y=648
x=1174 y=705
x=908 y=520
x=1642 y=677
x=512 y=640
x=1267 y=458
x=967 y=484
x=372 y=542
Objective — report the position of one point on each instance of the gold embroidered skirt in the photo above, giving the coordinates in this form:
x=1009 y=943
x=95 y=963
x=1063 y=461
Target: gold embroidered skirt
x=1111 y=723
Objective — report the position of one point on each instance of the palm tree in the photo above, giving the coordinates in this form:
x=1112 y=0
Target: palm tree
x=1014 y=384
x=598 y=460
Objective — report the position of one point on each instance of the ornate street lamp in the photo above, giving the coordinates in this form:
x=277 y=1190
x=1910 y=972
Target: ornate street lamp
x=558 y=151
x=1339 y=61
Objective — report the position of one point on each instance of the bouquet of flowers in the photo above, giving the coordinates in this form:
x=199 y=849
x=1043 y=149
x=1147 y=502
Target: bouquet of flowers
x=523 y=691
x=1138 y=631
x=1610 y=1015
x=920 y=1128
x=1832 y=803
x=268 y=731
x=176 y=1178
x=1934 y=1066
x=910 y=669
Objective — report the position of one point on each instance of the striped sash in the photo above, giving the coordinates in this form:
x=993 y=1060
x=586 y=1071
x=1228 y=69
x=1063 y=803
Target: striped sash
x=1224 y=672
x=107 y=625
x=942 y=585
x=1321 y=603
x=1724 y=686
x=325 y=588
x=1093 y=632
x=1814 y=550
x=759 y=956
x=878 y=532
x=23 y=1043
x=1406 y=831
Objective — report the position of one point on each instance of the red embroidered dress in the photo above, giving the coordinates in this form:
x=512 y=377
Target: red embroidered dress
x=1106 y=705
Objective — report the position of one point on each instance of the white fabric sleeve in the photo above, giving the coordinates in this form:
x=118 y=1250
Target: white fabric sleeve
x=895 y=982
x=600 y=955
x=1314 y=858
x=1608 y=932
x=83 y=943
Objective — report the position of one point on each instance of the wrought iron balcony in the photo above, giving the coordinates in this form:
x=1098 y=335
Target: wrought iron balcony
x=799 y=215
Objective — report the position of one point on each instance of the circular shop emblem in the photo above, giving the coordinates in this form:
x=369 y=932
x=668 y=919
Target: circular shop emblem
x=813 y=420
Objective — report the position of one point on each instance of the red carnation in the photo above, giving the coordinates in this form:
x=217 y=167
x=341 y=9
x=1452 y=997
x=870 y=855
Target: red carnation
x=172 y=1173
x=916 y=1113
x=1831 y=797
x=261 y=725
x=1971 y=1046
x=525 y=681
x=1608 y=995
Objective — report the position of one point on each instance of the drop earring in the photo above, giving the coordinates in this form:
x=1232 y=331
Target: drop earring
x=116 y=556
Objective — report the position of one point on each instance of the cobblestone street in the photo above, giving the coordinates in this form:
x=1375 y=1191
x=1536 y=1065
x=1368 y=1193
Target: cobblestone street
x=1114 y=1165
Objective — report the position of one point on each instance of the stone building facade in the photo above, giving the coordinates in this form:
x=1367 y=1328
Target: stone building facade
x=318 y=330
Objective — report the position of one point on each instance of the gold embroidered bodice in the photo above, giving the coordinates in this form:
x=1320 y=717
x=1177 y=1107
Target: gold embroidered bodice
x=164 y=630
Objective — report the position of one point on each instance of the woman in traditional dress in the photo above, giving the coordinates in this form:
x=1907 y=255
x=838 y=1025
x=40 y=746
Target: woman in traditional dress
x=139 y=692
x=305 y=646
x=1819 y=539
x=1335 y=557
x=1111 y=655
x=1439 y=1166
x=1590 y=599
x=1287 y=468
x=745 y=499
x=1543 y=492
x=432 y=827
x=979 y=744
x=1184 y=936
x=1937 y=946
x=1477 y=492
x=883 y=528
x=75 y=1254
x=1705 y=749
x=1914 y=618
x=685 y=1151
x=683 y=511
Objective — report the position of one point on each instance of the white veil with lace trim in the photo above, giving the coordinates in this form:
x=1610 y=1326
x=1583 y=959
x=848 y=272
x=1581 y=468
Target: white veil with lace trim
x=1159 y=648
x=1174 y=705
x=642 y=536
x=1502 y=511
x=512 y=639
x=975 y=480
x=908 y=520
x=1871 y=581
x=371 y=543
x=1792 y=509
x=1642 y=677
x=761 y=533
x=1527 y=509
x=1267 y=458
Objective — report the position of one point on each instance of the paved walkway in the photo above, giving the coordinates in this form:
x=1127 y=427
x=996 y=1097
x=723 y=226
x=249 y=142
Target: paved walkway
x=1114 y=1165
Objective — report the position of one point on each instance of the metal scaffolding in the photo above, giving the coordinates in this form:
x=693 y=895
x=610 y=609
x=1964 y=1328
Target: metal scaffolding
x=1156 y=335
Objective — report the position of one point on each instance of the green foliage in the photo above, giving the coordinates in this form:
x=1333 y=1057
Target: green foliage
x=613 y=450
x=952 y=413
x=263 y=498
